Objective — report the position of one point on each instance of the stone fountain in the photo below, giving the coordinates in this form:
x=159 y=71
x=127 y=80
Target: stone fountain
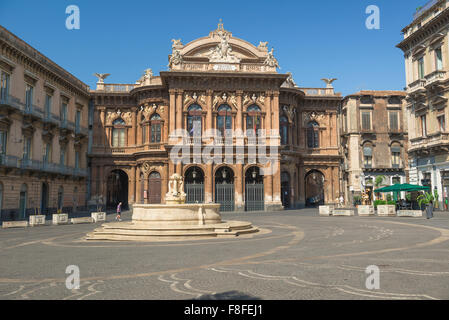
x=174 y=220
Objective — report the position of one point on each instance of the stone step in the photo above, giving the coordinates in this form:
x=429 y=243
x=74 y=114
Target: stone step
x=156 y=232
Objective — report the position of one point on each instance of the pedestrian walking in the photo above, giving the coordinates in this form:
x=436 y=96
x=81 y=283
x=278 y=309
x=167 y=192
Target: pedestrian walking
x=429 y=210
x=119 y=210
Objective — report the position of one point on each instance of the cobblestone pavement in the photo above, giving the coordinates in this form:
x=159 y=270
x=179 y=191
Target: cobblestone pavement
x=299 y=256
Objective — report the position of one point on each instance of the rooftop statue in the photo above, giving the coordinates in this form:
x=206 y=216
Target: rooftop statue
x=329 y=82
x=271 y=60
x=101 y=76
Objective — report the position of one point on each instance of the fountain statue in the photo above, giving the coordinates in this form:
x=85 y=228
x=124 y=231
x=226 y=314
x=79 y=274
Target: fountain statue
x=174 y=220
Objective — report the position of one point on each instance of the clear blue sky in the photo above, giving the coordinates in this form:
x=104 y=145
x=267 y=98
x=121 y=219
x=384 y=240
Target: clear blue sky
x=312 y=39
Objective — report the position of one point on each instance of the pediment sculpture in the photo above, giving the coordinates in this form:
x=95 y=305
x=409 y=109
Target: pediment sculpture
x=223 y=51
x=271 y=60
x=176 y=58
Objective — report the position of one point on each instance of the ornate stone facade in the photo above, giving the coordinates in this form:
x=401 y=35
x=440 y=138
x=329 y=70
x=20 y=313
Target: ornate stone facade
x=224 y=83
x=43 y=133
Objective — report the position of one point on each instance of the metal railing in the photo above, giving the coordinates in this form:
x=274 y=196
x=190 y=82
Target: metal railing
x=33 y=110
x=37 y=165
x=423 y=9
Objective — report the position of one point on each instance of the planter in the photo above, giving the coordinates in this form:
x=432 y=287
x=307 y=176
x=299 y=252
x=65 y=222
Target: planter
x=386 y=210
x=343 y=212
x=37 y=220
x=365 y=211
x=14 y=224
x=326 y=210
x=409 y=213
x=98 y=216
x=60 y=218
x=81 y=220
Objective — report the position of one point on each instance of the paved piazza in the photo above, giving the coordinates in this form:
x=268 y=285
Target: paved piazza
x=302 y=256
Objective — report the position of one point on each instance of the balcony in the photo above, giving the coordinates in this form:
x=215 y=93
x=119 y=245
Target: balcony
x=435 y=77
x=51 y=118
x=36 y=165
x=81 y=130
x=428 y=142
x=67 y=125
x=417 y=86
x=9 y=161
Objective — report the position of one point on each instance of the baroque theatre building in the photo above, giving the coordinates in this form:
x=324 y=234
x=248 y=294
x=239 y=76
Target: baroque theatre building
x=239 y=132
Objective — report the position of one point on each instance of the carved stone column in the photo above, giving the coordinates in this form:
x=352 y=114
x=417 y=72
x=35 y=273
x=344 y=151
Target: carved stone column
x=172 y=111
x=101 y=124
x=138 y=186
x=238 y=185
x=208 y=183
x=132 y=141
x=210 y=110
x=132 y=186
x=146 y=187
x=179 y=108
x=268 y=110
x=238 y=119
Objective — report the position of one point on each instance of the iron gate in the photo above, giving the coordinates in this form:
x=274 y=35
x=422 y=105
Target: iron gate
x=224 y=195
x=194 y=193
x=254 y=200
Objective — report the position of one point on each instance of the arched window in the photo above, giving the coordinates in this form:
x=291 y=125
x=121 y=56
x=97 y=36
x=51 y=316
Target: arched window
x=144 y=127
x=395 y=155
x=313 y=135
x=224 y=119
x=194 y=120
x=118 y=133
x=155 y=128
x=253 y=120
x=367 y=156
x=283 y=130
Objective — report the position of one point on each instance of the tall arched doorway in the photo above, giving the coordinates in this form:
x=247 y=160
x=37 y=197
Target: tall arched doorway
x=44 y=198
x=224 y=188
x=285 y=189
x=254 y=190
x=154 y=188
x=314 y=188
x=117 y=190
x=23 y=201
x=60 y=198
x=194 y=185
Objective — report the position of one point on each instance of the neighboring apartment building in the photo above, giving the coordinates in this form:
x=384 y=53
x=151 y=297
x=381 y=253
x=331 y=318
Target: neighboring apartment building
x=374 y=141
x=224 y=83
x=426 y=52
x=43 y=133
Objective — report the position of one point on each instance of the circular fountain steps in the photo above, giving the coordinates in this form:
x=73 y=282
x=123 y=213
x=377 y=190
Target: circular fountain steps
x=129 y=231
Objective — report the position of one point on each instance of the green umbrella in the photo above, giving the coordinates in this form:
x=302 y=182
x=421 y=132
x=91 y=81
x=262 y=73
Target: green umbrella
x=402 y=187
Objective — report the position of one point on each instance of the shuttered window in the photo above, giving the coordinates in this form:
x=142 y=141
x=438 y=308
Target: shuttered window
x=366 y=120
x=394 y=123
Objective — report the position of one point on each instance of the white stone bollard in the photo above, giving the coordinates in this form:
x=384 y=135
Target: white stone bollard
x=60 y=218
x=365 y=211
x=98 y=216
x=37 y=220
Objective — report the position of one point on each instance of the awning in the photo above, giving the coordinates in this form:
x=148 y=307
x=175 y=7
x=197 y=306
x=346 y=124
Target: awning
x=402 y=187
